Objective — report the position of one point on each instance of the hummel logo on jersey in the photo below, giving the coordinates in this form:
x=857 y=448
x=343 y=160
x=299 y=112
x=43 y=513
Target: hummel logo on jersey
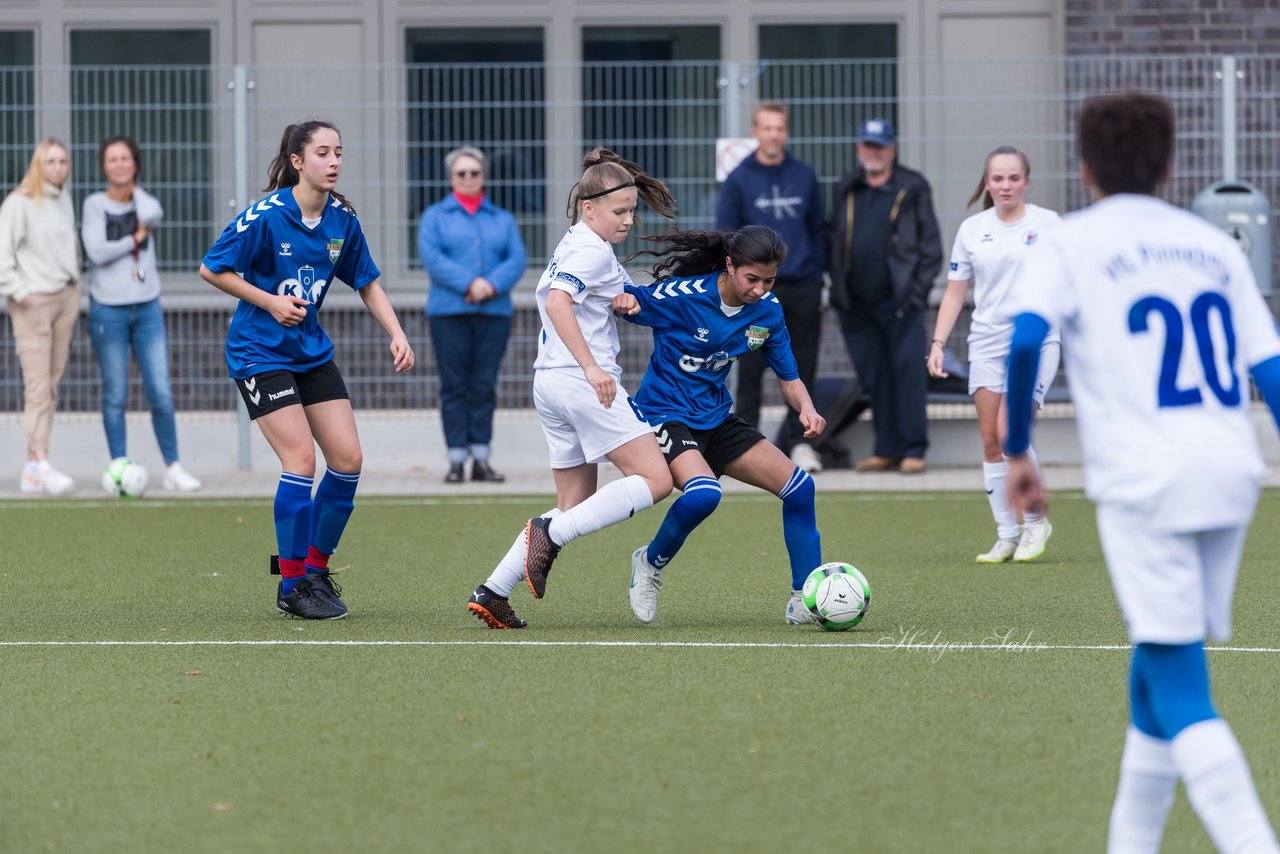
x=254 y=211
x=703 y=333
x=756 y=336
x=285 y=247
x=251 y=386
x=676 y=288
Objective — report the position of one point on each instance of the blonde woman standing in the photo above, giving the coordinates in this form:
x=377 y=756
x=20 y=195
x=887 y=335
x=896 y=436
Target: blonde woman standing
x=989 y=250
x=39 y=277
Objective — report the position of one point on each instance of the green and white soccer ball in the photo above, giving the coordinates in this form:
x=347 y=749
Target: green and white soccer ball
x=124 y=478
x=838 y=595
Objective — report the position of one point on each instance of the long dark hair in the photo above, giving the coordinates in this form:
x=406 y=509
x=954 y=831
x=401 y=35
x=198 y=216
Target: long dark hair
x=281 y=175
x=695 y=253
x=603 y=172
x=981 y=192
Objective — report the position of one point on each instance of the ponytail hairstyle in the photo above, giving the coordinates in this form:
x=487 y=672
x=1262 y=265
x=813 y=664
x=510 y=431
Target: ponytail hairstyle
x=695 y=253
x=281 y=175
x=981 y=192
x=32 y=184
x=604 y=172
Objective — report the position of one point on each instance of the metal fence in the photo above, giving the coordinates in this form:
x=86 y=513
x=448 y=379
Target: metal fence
x=207 y=134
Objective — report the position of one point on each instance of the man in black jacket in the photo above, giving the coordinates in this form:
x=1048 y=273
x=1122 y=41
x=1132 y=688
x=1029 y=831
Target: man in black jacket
x=885 y=253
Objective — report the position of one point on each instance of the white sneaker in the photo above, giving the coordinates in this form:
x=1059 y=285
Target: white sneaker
x=1034 y=538
x=646 y=581
x=56 y=483
x=29 y=482
x=797 y=613
x=806 y=458
x=178 y=479
x=1001 y=552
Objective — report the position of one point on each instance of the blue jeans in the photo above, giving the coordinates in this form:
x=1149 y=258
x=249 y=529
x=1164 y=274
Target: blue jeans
x=469 y=350
x=113 y=330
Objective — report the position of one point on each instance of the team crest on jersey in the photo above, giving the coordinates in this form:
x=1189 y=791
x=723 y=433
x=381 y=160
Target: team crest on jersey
x=335 y=249
x=1029 y=238
x=756 y=336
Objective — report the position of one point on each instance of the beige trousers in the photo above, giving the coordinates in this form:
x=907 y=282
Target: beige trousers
x=42 y=328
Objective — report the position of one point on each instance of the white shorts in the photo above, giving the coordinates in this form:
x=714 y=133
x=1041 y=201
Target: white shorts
x=1173 y=587
x=991 y=373
x=578 y=429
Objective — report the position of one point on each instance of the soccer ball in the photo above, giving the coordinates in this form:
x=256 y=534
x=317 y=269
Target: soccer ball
x=124 y=478
x=838 y=595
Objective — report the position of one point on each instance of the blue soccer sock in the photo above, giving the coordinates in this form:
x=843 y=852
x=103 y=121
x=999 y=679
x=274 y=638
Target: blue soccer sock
x=800 y=527
x=1169 y=688
x=293 y=522
x=700 y=499
x=335 y=499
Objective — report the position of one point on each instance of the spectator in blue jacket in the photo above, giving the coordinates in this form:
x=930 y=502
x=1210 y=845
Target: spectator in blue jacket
x=771 y=187
x=473 y=252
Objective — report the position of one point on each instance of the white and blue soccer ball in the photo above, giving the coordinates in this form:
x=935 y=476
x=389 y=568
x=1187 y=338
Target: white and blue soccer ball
x=838 y=595
x=124 y=478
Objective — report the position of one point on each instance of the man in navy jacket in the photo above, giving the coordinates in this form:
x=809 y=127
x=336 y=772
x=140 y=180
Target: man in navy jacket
x=773 y=188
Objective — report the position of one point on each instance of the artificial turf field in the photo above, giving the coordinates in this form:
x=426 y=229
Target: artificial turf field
x=411 y=727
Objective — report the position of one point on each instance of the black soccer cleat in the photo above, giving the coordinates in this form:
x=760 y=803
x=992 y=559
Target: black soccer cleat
x=493 y=609
x=314 y=597
x=539 y=553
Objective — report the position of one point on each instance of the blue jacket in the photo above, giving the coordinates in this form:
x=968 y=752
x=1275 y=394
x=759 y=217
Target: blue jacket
x=786 y=198
x=456 y=246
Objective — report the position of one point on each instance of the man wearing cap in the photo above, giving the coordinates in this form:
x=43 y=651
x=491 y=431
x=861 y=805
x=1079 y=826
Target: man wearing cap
x=771 y=187
x=885 y=253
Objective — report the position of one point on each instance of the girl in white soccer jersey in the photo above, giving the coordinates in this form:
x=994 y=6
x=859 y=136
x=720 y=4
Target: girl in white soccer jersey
x=989 y=250
x=712 y=304
x=586 y=415
x=278 y=258
x=1162 y=324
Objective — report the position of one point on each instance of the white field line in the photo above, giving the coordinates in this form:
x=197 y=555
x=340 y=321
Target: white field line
x=948 y=647
x=438 y=501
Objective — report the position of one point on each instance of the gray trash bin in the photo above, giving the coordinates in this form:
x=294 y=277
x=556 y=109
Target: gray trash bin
x=1244 y=212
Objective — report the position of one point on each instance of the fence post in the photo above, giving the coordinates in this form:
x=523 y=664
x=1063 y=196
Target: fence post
x=240 y=86
x=1229 y=76
x=731 y=99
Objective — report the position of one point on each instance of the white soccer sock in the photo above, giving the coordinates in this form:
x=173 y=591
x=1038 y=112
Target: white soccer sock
x=994 y=478
x=1220 y=788
x=1148 y=777
x=1033 y=518
x=612 y=503
x=510 y=570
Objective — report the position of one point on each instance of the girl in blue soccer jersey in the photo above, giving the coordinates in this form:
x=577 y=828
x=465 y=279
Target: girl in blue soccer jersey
x=279 y=258
x=702 y=322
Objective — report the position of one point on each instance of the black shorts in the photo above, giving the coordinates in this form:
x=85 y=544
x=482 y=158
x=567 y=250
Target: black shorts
x=274 y=390
x=719 y=446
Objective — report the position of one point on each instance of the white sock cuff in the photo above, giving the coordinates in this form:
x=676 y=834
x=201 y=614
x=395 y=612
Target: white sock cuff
x=638 y=490
x=1000 y=469
x=1203 y=746
x=551 y=514
x=1145 y=754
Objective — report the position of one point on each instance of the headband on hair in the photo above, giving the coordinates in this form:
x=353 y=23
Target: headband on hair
x=606 y=192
